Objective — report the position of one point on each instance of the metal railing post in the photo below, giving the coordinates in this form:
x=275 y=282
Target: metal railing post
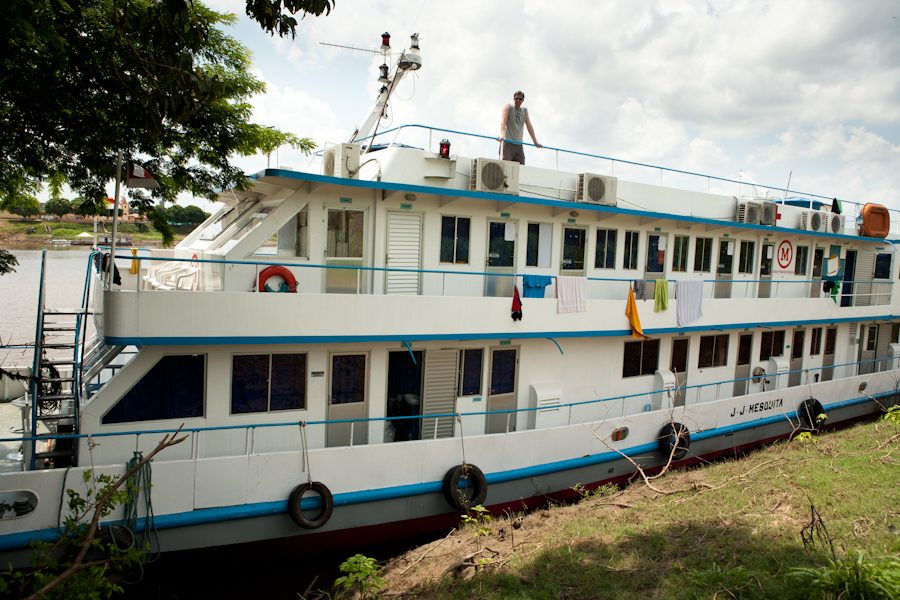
x=352 y=423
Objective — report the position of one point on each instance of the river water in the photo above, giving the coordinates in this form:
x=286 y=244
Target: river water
x=66 y=273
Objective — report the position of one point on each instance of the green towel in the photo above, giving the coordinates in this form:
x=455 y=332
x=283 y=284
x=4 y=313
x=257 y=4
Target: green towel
x=661 y=295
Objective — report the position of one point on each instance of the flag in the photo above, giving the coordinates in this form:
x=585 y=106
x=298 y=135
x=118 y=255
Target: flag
x=138 y=177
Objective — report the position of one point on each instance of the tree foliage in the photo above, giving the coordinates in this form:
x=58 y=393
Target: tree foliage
x=271 y=14
x=25 y=206
x=7 y=262
x=157 y=79
x=190 y=215
x=58 y=206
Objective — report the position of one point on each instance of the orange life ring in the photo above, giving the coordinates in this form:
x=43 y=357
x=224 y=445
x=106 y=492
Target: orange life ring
x=289 y=278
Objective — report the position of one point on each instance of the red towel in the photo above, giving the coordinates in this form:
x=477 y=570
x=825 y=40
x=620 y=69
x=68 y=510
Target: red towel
x=517 y=305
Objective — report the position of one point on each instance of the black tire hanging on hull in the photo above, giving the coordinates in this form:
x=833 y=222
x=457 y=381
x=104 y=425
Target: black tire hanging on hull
x=458 y=498
x=809 y=412
x=677 y=436
x=296 y=514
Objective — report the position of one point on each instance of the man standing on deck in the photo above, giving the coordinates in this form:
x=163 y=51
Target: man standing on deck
x=513 y=121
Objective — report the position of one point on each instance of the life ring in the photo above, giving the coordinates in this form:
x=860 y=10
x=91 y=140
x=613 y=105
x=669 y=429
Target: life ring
x=289 y=279
x=459 y=499
x=296 y=514
x=809 y=412
x=677 y=436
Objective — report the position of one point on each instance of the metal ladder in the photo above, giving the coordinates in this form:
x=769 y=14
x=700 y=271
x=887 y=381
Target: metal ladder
x=54 y=397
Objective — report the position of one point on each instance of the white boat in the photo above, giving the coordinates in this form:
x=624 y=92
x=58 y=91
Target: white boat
x=392 y=358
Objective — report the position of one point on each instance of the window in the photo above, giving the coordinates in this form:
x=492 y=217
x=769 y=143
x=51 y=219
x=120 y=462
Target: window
x=538 y=248
x=268 y=382
x=292 y=239
x=801 y=261
x=745 y=262
x=455 y=240
x=871 y=340
x=772 y=345
x=173 y=389
x=470 y=366
x=680 y=253
x=713 y=351
x=702 y=255
x=882 y=266
x=641 y=358
x=606 y=249
x=631 y=250
x=815 y=342
x=656 y=253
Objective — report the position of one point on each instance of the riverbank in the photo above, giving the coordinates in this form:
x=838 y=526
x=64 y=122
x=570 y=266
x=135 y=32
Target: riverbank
x=17 y=232
x=729 y=529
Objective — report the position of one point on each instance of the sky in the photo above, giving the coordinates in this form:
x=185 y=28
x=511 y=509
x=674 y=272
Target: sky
x=803 y=89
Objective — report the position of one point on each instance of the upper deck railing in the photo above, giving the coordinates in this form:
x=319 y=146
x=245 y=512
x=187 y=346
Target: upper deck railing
x=873 y=291
x=782 y=192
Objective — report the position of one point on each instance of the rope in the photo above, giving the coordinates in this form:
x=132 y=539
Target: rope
x=141 y=481
x=462 y=439
x=305 y=452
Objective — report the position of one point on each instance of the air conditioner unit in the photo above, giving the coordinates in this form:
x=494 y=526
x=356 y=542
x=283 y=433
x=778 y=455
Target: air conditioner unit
x=813 y=220
x=749 y=212
x=769 y=214
x=836 y=223
x=496 y=176
x=596 y=189
x=340 y=160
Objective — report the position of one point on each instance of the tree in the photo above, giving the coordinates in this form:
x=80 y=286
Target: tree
x=270 y=13
x=175 y=214
x=58 y=206
x=25 y=206
x=194 y=215
x=156 y=79
x=7 y=262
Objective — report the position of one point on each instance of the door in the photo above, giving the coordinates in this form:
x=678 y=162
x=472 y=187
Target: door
x=865 y=273
x=828 y=355
x=655 y=267
x=404 y=396
x=404 y=245
x=502 y=394
x=795 y=378
x=347 y=400
x=867 y=349
x=345 y=247
x=818 y=261
x=724 y=269
x=501 y=255
x=679 y=367
x=440 y=393
x=883 y=347
x=742 y=370
x=849 y=275
x=765 y=271
x=574 y=240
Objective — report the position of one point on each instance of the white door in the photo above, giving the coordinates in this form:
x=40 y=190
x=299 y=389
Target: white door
x=439 y=396
x=347 y=400
x=345 y=243
x=865 y=272
x=404 y=249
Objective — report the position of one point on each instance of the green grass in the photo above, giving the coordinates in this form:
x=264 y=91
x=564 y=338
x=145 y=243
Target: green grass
x=739 y=541
x=71 y=230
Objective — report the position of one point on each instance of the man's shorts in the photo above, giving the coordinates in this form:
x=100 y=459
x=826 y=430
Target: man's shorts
x=512 y=152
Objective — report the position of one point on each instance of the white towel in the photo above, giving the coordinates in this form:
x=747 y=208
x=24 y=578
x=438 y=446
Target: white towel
x=571 y=294
x=688 y=301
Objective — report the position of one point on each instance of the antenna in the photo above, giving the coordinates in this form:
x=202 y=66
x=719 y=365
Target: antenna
x=353 y=48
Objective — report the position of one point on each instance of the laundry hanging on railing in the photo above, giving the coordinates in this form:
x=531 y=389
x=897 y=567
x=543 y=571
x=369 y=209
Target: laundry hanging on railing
x=631 y=313
x=688 y=301
x=516 y=305
x=533 y=285
x=661 y=295
x=571 y=294
x=640 y=289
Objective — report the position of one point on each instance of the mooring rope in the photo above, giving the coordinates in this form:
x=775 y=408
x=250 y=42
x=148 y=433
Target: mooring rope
x=141 y=481
x=305 y=452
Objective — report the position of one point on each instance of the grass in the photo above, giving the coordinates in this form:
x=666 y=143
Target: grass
x=68 y=231
x=741 y=540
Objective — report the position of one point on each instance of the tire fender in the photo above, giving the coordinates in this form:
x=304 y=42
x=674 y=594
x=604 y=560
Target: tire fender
x=674 y=435
x=808 y=413
x=458 y=499
x=293 y=507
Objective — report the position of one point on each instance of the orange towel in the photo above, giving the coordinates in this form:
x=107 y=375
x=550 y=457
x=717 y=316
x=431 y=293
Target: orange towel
x=632 y=314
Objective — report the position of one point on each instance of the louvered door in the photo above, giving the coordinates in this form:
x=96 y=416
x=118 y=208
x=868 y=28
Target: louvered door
x=440 y=392
x=403 y=252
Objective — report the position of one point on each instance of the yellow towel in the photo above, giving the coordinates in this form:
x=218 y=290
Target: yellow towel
x=134 y=262
x=632 y=314
x=661 y=296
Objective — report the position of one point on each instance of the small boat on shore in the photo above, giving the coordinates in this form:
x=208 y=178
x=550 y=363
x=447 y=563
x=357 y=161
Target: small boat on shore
x=438 y=331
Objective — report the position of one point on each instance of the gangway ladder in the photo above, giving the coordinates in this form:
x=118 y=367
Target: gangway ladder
x=54 y=396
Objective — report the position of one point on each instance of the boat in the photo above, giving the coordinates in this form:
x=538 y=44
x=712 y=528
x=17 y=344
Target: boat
x=435 y=331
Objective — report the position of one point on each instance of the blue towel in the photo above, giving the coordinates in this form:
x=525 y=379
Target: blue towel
x=533 y=285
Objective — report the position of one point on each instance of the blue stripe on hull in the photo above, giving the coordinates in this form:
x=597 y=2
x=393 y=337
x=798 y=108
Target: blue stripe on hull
x=261 y=509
